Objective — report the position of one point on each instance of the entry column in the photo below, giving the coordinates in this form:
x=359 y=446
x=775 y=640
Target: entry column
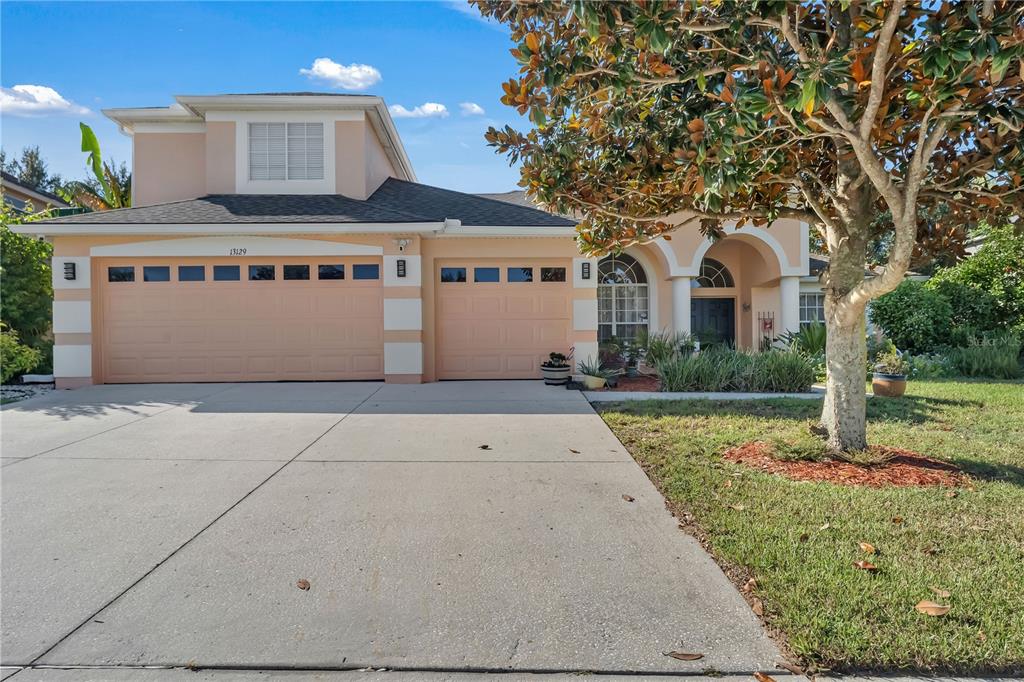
x=584 y=310
x=681 y=304
x=403 y=313
x=72 y=318
x=789 y=303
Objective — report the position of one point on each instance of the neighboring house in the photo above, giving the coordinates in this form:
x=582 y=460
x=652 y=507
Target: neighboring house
x=21 y=197
x=284 y=237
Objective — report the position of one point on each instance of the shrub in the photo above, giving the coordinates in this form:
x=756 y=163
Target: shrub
x=15 y=357
x=724 y=369
x=26 y=304
x=810 y=339
x=973 y=309
x=661 y=346
x=930 y=366
x=997 y=270
x=996 y=357
x=914 y=317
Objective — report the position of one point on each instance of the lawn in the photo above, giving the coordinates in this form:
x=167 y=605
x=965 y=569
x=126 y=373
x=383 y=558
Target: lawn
x=799 y=541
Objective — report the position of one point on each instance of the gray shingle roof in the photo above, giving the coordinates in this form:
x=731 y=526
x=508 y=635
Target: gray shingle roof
x=396 y=201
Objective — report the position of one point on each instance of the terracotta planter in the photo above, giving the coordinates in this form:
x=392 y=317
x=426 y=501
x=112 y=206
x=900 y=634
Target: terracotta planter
x=555 y=376
x=889 y=385
x=593 y=383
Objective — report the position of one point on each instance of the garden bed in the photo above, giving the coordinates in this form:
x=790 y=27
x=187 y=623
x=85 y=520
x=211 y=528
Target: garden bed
x=895 y=467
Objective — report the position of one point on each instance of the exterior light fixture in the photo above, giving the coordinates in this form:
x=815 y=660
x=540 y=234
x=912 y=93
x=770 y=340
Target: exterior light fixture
x=400 y=265
x=585 y=273
x=69 y=270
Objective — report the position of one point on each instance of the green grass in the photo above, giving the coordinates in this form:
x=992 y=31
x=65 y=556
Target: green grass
x=831 y=614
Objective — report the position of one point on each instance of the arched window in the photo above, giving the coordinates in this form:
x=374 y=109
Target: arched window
x=622 y=298
x=713 y=275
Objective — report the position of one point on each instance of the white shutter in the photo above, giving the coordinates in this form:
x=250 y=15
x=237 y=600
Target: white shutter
x=278 y=151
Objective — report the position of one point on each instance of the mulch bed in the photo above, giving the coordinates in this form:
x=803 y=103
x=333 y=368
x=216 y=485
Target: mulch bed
x=902 y=468
x=640 y=383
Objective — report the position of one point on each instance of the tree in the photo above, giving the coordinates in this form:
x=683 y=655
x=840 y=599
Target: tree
x=109 y=187
x=26 y=304
x=656 y=116
x=31 y=170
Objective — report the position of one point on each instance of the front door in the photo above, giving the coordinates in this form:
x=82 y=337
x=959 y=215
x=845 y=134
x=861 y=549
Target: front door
x=713 y=320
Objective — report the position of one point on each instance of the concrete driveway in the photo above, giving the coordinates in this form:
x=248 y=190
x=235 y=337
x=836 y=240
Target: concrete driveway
x=463 y=526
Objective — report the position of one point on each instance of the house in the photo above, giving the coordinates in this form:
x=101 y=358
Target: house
x=21 y=197
x=285 y=237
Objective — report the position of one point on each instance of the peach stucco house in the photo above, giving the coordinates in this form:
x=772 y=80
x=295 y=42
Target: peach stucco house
x=284 y=237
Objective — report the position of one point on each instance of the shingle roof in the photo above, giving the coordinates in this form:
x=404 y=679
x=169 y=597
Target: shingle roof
x=437 y=204
x=396 y=201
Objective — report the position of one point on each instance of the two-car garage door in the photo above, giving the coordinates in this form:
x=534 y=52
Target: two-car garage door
x=239 y=319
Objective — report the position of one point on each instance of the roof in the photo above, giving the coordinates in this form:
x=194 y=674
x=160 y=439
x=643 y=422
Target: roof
x=9 y=181
x=516 y=196
x=396 y=201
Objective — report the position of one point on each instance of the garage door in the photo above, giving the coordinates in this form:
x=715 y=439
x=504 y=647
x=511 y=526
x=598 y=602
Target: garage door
x=499 y=319
x=256 y=319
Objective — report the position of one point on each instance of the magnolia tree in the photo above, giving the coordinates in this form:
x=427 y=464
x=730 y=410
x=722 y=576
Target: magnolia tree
x=868 y=120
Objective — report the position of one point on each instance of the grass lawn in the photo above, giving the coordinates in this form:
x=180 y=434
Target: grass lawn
x=799 y=540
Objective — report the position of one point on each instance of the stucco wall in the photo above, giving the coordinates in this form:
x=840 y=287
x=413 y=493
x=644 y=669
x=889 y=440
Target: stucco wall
x=220 y=157
x=378 y=166
x=168 y=167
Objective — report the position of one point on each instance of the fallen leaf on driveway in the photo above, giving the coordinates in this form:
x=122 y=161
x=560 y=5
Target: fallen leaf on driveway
x=302 y=584
x=940 y=593
x=679 y=655
x=930 y=608
x=575 y=452
x=629 y=498
x=867 y=547
x=762 y=677
x=865 y=565
x=485 y=446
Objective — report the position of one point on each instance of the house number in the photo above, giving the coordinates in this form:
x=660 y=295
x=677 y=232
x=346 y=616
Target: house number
x=236 y=252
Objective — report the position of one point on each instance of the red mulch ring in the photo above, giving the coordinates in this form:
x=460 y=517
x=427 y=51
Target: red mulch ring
x=902 y=468
x=640 y=383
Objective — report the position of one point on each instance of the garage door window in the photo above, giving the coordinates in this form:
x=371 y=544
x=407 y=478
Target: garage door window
x=449 y=275
x=156 y=273
x=552 y=274
x=121 y=274
x=331 y=271
x=486 y=274
x=191 y=273
x=520 y=274
x=226 y=273
x=296 y=272
x=261 y=272
x=366 y=271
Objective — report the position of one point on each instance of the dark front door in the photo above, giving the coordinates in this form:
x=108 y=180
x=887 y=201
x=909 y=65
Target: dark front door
x=713 y=320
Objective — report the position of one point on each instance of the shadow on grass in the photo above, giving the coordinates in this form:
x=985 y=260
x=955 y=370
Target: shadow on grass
x=912 y=409
x=992 y=472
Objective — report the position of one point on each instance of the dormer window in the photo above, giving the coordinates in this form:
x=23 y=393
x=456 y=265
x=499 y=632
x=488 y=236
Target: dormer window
x=286 y=151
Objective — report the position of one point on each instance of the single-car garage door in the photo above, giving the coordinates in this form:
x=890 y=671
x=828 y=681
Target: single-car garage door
x=240 y=319
x=499 y=319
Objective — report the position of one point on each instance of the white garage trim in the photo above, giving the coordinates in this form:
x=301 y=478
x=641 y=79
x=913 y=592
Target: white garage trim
x=72 y=362
x=584 y=315
x=236 y=246
x=403 y=358
x=72 y=317
x=403 y=314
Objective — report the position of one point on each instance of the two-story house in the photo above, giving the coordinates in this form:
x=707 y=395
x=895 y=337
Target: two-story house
x=285 y=237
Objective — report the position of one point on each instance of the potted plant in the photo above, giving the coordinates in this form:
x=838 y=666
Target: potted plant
x=556 y=370
x=633 y=353
x=594 y=376
x=890 y=376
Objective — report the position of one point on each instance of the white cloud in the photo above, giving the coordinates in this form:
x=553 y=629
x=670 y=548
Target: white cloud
x=36 y=100
x=351 y=77
x=425 y=110
x=471 y=109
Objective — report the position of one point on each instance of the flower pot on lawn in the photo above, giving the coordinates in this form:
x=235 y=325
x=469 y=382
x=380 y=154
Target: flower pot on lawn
x=888 y=385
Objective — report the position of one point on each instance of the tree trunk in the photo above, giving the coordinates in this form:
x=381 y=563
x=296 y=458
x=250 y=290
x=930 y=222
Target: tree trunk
x=843 y=414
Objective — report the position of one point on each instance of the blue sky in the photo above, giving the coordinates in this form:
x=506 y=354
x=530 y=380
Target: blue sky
x=98 y=55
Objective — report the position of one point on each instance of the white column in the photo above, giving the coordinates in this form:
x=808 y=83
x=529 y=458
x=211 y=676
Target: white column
x=789 y=304
x=681 y=304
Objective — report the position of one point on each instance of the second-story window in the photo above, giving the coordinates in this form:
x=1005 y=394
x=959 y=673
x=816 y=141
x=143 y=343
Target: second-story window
x=286 y=151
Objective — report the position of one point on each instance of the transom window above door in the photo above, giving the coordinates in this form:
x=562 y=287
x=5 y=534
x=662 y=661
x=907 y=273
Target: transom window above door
x=713 y=275
x=622 y=298
x=286 y=151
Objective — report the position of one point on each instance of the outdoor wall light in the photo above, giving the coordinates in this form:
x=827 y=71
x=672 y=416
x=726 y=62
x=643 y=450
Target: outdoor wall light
x=69 y=270
x=585 y=273
x=400 y=265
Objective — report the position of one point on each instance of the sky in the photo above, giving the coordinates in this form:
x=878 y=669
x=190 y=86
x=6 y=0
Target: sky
x=438 y=65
